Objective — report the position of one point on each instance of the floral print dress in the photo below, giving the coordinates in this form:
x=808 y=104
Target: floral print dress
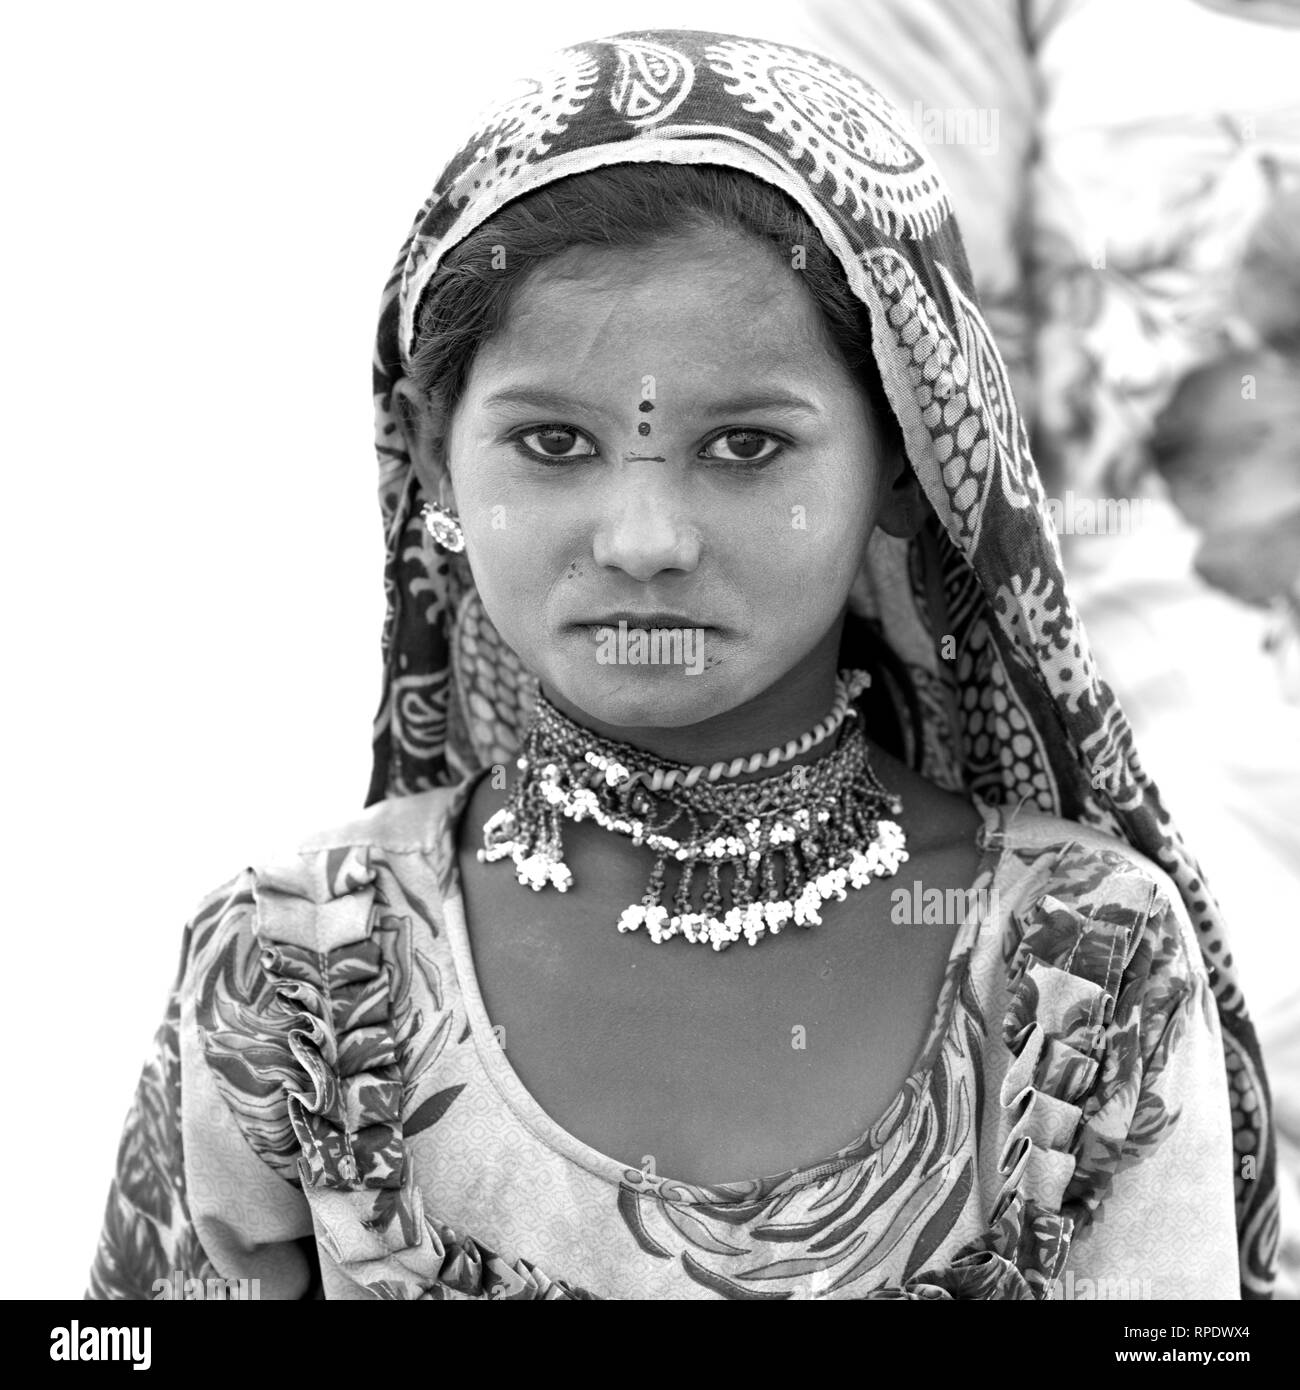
x=329 y=1112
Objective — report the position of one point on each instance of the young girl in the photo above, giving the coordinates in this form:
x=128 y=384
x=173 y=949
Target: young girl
x=666 y=961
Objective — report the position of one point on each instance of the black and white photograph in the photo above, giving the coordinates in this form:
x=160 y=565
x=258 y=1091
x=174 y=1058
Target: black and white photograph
x=792 y=793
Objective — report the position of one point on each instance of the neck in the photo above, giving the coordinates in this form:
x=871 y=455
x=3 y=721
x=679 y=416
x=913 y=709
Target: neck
x=783 y=711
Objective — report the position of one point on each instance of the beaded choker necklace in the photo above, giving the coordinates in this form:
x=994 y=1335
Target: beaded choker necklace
x=823 y=820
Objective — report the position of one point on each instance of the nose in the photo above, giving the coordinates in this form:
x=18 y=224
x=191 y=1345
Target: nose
x=644 y=528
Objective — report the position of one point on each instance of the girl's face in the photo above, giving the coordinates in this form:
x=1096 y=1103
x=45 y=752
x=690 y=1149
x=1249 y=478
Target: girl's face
x=661 y=437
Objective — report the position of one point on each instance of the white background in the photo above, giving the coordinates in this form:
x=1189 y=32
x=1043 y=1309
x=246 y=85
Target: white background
x=202 y=204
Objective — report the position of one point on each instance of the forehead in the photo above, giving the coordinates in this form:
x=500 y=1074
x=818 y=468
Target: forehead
x=694 y=302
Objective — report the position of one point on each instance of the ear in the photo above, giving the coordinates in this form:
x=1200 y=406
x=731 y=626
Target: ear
x=425 y=425
x=903 y=506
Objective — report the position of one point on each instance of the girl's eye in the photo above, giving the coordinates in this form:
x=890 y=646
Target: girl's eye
x=565 y=444
x=556 y=443
x=745 y=446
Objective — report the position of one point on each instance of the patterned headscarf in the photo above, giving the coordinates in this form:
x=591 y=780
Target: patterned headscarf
x=975 y=605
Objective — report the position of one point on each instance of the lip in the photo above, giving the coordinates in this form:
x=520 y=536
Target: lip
x=642 y=620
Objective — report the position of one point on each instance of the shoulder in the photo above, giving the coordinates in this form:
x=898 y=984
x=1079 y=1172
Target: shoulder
x=400 y=824
x=1051 y=868
x=1079 y=901
x=322 y=869
x=1087 y=868
x=321 y=866
x=304 y=960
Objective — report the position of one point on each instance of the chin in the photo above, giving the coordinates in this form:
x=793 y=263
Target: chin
x=641 y=697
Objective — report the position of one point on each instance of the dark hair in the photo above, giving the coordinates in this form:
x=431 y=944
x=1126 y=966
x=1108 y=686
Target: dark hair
x=631 y=206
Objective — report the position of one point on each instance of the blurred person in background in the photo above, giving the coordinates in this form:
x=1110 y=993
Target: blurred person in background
x=1228 y=449
x=1249 y=513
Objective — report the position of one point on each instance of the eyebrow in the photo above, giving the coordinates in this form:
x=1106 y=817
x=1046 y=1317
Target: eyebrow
x=778 y=401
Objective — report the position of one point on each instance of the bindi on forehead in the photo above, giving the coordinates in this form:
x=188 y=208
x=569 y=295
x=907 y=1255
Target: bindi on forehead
x=645 y=405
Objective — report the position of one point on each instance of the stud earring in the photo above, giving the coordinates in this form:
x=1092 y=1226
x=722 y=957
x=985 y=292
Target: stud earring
x=444 y=526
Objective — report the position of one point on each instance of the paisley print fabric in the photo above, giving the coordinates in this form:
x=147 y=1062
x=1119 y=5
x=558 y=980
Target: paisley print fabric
x=339 y=1072
x=347 y=1120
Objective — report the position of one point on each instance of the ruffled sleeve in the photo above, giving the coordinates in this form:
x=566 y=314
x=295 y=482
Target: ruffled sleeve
x=1115 y=1161
x=1064 y=980
x=326 y=1100
x=1153 y=1186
